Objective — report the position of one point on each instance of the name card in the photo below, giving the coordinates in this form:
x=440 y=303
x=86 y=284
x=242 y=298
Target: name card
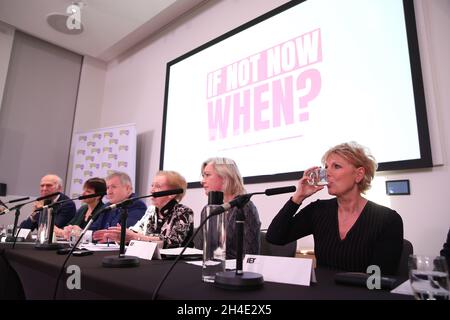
x=143 y=249
x=281 y=269
x=24 y=233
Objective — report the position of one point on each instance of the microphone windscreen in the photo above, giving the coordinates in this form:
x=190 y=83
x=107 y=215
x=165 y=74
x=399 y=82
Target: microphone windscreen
x=274 y=191
x=360 y=279
x=94 y=195
x=19 y=199
x=47 y=196
x=166 y=193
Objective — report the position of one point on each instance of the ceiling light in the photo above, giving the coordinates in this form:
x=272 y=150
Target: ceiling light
x=69 y=22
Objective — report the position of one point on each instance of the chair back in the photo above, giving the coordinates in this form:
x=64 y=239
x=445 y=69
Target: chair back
x=408 y=249
x=269 y=249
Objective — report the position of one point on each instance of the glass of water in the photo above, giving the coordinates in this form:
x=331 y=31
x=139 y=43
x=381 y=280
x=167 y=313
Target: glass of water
x=2 y=230
x=318 y=177
x=429 y=277
x=74 y=235
x=9 y=230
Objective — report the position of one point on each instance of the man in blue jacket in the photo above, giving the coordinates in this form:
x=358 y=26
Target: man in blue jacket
x=119 y=188
x=51 y=183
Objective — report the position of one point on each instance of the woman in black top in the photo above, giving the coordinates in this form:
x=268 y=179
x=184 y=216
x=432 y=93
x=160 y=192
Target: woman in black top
x=350 y=232
x=445 y=252
x=88 y=209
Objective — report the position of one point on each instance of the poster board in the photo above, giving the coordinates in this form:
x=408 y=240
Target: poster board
x=99 y=152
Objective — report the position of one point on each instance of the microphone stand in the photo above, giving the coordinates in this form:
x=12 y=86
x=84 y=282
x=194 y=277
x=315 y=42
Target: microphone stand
x=239 y=280
x=86 y=228
x=156 y=291
x=93 y=218
x=257 y=278
x=15 y=238
x=121 y=261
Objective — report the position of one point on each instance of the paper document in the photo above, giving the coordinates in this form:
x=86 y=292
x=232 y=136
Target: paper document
x=177 y=251
x=229 y=264
x=100 y=247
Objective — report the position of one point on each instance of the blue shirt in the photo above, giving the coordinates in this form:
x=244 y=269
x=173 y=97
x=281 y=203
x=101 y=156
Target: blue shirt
x=111 y=218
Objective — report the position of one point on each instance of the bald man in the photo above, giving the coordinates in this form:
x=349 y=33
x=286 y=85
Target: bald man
x=51 y=183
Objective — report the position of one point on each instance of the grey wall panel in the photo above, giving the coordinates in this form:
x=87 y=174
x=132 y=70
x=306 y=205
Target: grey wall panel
x=36 y=118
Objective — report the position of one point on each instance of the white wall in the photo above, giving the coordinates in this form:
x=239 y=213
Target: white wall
x=134 y=92
x=6 y=42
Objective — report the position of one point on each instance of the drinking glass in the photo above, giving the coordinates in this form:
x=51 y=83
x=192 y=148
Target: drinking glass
x=318 y=177
x=9 y=230
x=429 y=277
x=74 y=235
x=2 y=230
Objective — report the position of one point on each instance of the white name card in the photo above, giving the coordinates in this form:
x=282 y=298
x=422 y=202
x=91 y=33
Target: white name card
x=281 y=269
x=23 y=233
x=143 y=249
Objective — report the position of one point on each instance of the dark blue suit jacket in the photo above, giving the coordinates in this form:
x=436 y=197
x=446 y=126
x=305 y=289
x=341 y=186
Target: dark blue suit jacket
x=64 y=213
x=111 y=218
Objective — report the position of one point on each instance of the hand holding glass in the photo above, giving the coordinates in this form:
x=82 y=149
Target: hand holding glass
x=429 y=277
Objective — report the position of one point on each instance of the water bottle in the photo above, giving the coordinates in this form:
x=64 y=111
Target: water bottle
x=214 y=238
x=43 y=233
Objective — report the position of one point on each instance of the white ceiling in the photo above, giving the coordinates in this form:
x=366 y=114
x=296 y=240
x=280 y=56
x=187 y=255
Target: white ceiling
x=109 y=26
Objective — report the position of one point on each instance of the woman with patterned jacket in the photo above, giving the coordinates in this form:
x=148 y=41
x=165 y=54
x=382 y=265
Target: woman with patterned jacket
x=166 y=221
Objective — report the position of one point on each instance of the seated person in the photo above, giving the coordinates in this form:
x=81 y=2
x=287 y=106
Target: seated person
x=87 y=210
x=118 y=189
x=222 y=174
x=350 y=232
x=445 y=252
x=3 y=206
x=51 y=183
x=166 y=220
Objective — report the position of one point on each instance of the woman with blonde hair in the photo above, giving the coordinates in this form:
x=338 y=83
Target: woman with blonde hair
x=222 y=174
x=350 y=232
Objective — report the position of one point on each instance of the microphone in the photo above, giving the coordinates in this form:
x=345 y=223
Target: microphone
x=18 y=199
x=244 y=279
x=241 y=200
x=157 y=194
x=20 y=205
x=47 y=196
x=88 y=196
x=164 y=193
x=281 y=190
